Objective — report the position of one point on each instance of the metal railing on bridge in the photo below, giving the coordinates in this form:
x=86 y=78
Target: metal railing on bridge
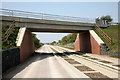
x=16 y=13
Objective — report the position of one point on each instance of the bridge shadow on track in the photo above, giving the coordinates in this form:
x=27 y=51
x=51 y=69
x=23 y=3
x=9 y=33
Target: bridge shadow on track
x=36 y=57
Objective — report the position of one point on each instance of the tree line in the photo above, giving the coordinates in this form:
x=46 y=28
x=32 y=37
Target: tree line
x=70 y=38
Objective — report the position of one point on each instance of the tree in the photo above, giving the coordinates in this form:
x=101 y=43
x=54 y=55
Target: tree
x=107 y=18
x=97 y=19
x=70 y=38
x=53 y=42
x=37 y=42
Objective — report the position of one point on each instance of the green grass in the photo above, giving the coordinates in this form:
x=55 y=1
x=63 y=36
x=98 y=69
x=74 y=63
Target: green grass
x=112 y=31
x=115 y=56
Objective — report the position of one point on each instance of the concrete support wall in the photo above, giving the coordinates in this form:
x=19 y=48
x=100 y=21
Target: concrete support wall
x=27 y=46
x=82 y=42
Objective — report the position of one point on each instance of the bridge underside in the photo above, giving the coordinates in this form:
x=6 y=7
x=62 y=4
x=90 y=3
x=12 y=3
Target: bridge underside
x=55 y=30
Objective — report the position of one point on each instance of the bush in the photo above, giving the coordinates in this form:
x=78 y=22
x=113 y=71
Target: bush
x=37 y=42
x=10 y=42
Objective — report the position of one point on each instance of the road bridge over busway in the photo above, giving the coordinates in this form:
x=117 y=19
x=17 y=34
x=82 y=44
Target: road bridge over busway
x=40 y=22
x=87 y=40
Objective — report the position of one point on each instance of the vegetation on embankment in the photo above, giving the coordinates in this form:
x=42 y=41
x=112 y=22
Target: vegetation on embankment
x=67 y=41
x=10 y=42
x=37 y=42
x=112 y=31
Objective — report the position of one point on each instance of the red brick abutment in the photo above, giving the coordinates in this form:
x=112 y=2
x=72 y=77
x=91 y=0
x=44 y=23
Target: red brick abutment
x=89 y=42
x=27 y=46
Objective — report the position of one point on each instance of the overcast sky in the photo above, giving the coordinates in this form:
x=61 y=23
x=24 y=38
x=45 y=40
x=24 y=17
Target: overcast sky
x=77 y=9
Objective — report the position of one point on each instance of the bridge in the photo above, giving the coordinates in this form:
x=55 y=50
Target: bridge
x=86 y=41
x=46 y=22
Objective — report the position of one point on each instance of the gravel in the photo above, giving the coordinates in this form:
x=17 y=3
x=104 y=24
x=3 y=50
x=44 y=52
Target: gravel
x=84 y=68
x=94 y=58
x=117 y=65
x=97 y=76
x=86 y=56
x=106 y=62
x=71 y=61
x=65 y=57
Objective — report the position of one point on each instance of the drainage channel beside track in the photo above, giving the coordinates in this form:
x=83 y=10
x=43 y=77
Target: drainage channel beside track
x=93 y=74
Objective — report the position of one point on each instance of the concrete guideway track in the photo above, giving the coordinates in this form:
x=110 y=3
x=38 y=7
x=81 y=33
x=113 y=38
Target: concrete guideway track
x=111 y=73
x=45 y=65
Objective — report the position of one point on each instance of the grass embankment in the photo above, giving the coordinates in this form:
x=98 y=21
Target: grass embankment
x=112 y=31
x=69 y=46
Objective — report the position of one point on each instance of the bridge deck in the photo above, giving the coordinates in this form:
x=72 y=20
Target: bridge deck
x=41 y=22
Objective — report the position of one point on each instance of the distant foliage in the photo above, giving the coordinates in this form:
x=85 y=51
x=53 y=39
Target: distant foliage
x=54 y=42
x=107 y=18
x=70 y=38
x=37 y=42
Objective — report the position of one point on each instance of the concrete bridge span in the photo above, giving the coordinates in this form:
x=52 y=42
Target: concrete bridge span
x=47 y=25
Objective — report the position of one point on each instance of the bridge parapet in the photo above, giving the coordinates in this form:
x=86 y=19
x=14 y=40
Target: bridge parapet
x=16 y=13
x=46 y=22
